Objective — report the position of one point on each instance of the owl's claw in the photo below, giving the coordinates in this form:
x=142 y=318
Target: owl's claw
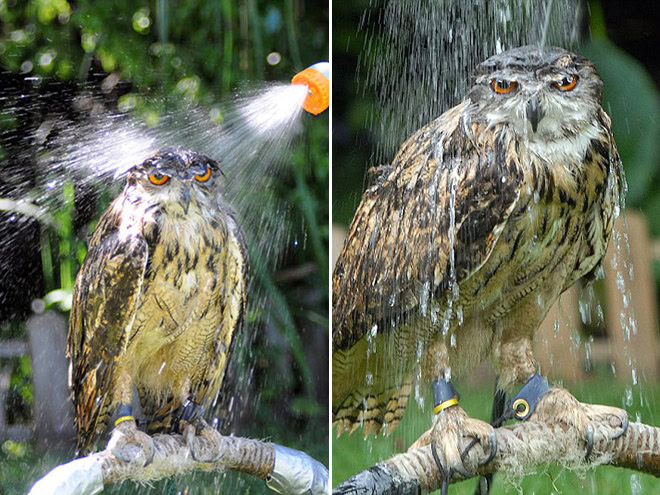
x=202 y=453
x=450 y=427
x=625 y=423
x=624 y=428
x=492 y=448
x=596 y=423
x=127 y=443
x=445 y=473
x=189 y=412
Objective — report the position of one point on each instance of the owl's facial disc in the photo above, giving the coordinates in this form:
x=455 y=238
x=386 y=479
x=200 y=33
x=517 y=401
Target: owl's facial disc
x=541 y=94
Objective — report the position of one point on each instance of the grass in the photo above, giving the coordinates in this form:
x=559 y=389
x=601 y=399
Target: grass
x=353 y=454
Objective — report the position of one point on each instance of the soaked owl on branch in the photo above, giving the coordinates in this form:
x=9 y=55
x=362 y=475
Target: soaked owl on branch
x=456 y=254
x=158 y=301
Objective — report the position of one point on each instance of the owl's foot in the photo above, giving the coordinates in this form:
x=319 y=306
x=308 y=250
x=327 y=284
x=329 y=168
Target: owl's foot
x=128 y=443
x=451 y=427
x=595 y=423
x=210 y=451
x=189 y=412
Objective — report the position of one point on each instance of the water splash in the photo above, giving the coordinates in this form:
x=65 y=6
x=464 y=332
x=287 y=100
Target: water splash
x=248 y=135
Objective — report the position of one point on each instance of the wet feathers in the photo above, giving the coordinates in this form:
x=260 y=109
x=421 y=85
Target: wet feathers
x=159 y=298
x=481 y=220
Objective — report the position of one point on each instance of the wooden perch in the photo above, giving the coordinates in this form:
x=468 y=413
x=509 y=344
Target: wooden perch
x=521 y=448
x=284 y=470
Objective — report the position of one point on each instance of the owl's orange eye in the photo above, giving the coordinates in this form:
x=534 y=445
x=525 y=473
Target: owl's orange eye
x=158 y=179
x=502 y=86
x=567 y=83
x=205 y=177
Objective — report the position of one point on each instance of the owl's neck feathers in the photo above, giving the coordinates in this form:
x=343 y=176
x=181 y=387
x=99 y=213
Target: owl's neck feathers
x=562 y=149
x=168 y=225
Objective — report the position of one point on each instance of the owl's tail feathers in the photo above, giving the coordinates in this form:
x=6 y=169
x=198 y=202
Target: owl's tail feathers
x=372 y=412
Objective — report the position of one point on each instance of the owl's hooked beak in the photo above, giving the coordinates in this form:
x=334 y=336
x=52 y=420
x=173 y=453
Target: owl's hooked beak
x=534 y=112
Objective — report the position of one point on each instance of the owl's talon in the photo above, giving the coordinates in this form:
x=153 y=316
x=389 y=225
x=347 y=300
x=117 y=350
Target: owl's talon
x=211 y=434
x=594 y=423
x=590 y=441
x=492 y=448
x=624 y=428
x=127 y=443
x=446 y=472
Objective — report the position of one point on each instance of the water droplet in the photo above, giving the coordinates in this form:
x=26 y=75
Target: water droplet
x=620 y=282
x=424 y=298
x=585 y=311
x=635 y=484
x=628 y=397
x=459 y=315
x=447 y=374
x=588 y=351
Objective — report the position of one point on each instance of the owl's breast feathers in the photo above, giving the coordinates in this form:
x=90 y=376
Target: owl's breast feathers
x=158 y=300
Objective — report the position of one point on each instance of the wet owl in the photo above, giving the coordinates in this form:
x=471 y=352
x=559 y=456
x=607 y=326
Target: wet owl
x=463 y=243
x=158 y=301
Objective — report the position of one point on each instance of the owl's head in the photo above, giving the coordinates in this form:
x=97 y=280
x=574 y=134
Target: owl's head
x=176 y=179
x=543 y=94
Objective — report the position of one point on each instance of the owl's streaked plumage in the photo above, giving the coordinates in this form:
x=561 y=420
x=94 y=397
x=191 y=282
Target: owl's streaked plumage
x=160 y=296
x=465 y=241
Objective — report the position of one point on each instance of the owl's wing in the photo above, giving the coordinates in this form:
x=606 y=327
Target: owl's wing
x=105 y=301
x=452 y=184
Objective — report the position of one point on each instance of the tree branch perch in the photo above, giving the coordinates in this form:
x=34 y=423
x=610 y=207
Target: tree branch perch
x=285 y=470
x=521 y=448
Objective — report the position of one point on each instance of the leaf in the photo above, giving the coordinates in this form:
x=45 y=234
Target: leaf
x=632 y=101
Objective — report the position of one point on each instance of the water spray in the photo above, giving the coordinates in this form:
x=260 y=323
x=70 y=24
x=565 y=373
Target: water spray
x=317 y=78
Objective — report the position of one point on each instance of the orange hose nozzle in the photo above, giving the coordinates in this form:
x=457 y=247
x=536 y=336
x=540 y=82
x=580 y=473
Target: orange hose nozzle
x=316 y=79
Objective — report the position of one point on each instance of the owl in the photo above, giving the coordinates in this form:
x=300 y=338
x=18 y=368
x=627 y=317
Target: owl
x=463 y=243
x=157 y=303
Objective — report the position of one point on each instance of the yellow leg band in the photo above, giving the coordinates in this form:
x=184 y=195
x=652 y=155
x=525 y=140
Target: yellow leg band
x=131 y=418
x=444 y=405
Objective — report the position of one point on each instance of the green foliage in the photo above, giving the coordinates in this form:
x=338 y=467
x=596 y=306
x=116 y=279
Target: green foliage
x=633 y=102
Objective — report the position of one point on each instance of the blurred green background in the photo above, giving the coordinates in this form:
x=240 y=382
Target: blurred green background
x=621 y=39
x=147 y=59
